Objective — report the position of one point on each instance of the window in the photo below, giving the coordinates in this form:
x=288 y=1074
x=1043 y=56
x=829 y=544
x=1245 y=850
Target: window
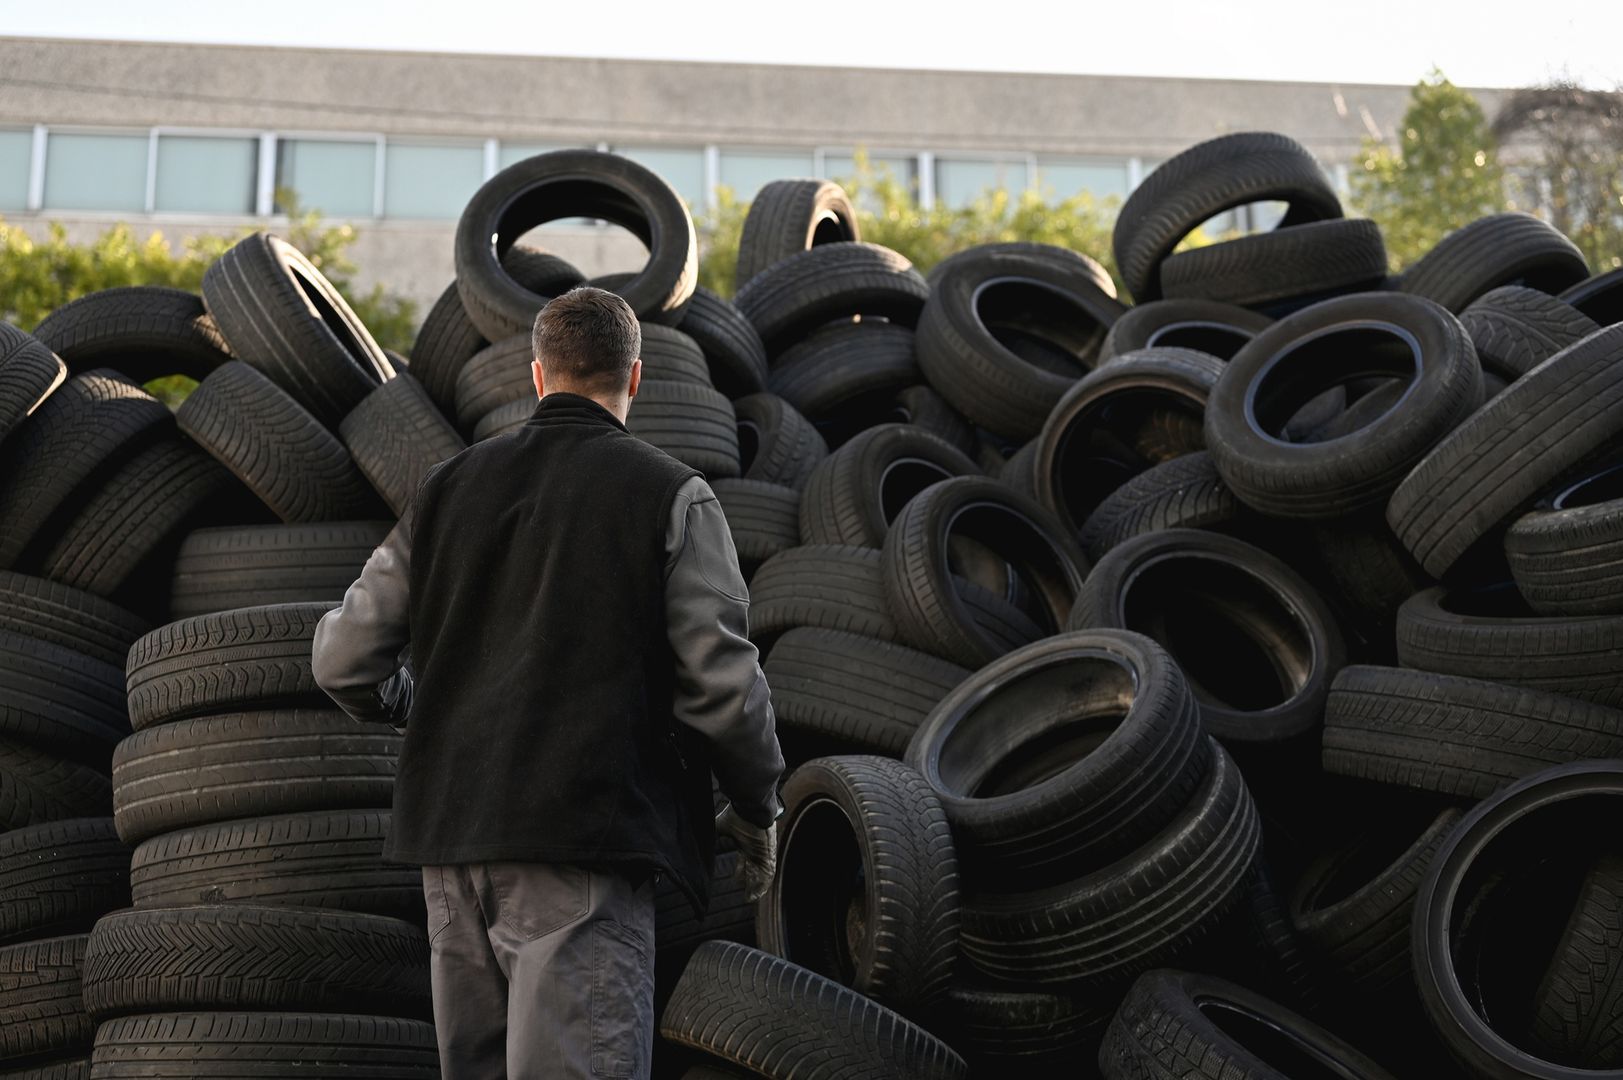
x=682 y=168
x=960 y=181
x=748 y=171
x=206 y=175
x=16 y=153
x=1102 y=178
x=423 y=181
x=95 y=172
x=903 y=168
x=332 y=176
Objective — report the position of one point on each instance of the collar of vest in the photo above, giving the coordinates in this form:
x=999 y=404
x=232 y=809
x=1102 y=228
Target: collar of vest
x=561 y=407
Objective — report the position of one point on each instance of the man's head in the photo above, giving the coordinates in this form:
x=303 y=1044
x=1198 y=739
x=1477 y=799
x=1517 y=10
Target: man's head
x=587 y=342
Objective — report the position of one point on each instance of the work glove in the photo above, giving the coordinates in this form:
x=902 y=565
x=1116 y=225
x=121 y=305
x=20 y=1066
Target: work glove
x=757 y=850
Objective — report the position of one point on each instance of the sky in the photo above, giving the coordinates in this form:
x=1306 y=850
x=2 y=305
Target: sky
x=1474 y=42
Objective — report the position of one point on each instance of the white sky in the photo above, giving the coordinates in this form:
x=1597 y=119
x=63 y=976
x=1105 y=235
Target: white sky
x=1474 y=42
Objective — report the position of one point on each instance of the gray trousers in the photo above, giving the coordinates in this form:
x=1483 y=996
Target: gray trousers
x=540 y=971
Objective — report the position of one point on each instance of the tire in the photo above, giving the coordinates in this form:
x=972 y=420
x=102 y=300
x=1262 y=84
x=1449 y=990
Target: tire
x=60 y=877
x=787 y=217
x=1500 y=249
x=1202 y=182
x=83 y=429
x=1544 y=425
x=693 y=424
x=732 y=347
x=1099 y=929
x=678 y=929
x=36 y=788
x=763 y=519
x=1576 y=1012
x=781 y=1021
x=1024 y=542
x=39 y=997
x=69 y=618
x=273 y=1046
x=1287 y=268
x=230 y=661
x=857 y=491
x=1515 y=329
x=60 y=701
x=395 y=435
x=1184 y=493
x=776 y=443
x=1207 y=326
x=1138 y=411
x=496 y=375
x=285 y=320
x=1032 y=1035
x=243 y=765
x=853 y=693
x=503 y=419
x=1166 y=1027
x=256 y=565
x=672 y=356
x=142 y=331
x=1259 y=646
x=276 y=448
x=847 y=372
x=1599 y=297
x=1009 y=327
x=75 y=1069
x=1027 y=810
x=329 y=859
x=1372 y=335
x=247 y=956
x=922 y=407
x=830 y=282
x=29 y=373
x=567 y=183
x=866 y=892
x=826 y=586
x=1364 y=570
x=1567 y=554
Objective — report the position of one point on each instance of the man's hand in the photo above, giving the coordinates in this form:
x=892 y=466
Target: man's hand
x=757 y=850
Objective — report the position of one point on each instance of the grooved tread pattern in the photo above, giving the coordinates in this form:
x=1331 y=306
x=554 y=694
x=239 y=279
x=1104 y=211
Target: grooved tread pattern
x=763 y=518
x=71 y=618
x=497 y=375
x=1579 y=1004
x=1500 y=249
x=272 y=1046
x=395 y=435
x=845 y=364
x=60 y=877
x=693 y=424
x=1515 y=329
x=60 y=700
x=254 y=565
x=144 y=331
x=830 y=281
x=732 y=348
x=40 y=998
x=783 y=218
x=1314 y=259
x=787 y=447
x=29 y=373
x=671 y=355
x=37 y=787
x=824 y=585
x=1184 y=493
x=846 y=497
x=1024 y=1034
x=1569 y=561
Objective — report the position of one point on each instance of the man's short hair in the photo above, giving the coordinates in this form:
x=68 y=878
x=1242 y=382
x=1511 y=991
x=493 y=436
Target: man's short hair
x=586 y=339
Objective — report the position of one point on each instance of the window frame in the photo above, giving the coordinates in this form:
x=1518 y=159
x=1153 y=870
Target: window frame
x=373 y=137
x=193 y=132
x=42 y=164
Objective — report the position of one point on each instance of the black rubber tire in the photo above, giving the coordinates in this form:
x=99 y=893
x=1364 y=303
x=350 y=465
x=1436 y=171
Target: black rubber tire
x=1464 y=738
x=1202 y=182
x=1230 y=614
x=1567 y=554
x=857 y=491
x=1137 y=411
x=271 y=1046
x=1009 y=327
x=256 y=565
x=243 y=765
x=827 y=283
x=40 y=999
x=230 y=661
x=866 y=892
x=1361 y=568
x=1024 y=541
x=250 y=956
x=74 y=1069
x=671 y=355
x=762 y=518
x=281 y=452
x=1544 y=425
x=328 y=859
x=60 y=877
x=70 y=618
x=569 y=183
x=1097 y=930
x=142 y=506
x=846 y=373
x=143 y=331
x=502 y=419
x=1515 y=329
x=693 y=424
x=787 y=217
x=85 y=428
x=1027 y=1034
x=1600 y=297
x=776 y=443
x=29 y=373
x=497 y=375
x=60 y=701
x=786 y=1023
x=1293 y=361
x=854 y=693
x=1577 y=1013
x=395 y=435
x=731 y=345
x=828 y=586
x=1207 y=326
x=1288 y=267
x=922 y=407
x=1500 y=249
x=1164 y=1028
x=1184 y=493
x=282 y=317
x=37 y=787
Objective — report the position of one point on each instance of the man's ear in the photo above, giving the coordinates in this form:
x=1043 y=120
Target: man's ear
x=636 y=378
x=535 y=374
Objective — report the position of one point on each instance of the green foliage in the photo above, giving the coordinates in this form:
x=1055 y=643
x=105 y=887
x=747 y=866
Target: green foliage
x=1443 y=174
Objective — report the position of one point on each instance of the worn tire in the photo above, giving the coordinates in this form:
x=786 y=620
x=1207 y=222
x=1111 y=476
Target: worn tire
x=40 y=999
x=827 y=283
x=496 y=375
x=1500 y=249
x=828 y=586
x=787 y=217
x=693 y=424
x=924 y=408
x=36 y=787
x=1515 y=329
x=60 y=701
x=59 y=615
x=1577 y=1011
x=776 y=443
x=29 y=373
x=143 y=331
x=857 y=491
x=1567 y=554
x=1289 y=267
x=1184 y=493
x=762 y=518
x=732 y=347
x=845 y=375
x=264 y=1046
x=395 y=435
x=59 y=877
x=1207 y=326
x=256 y=565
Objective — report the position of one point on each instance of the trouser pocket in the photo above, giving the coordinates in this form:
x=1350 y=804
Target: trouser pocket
x=622 y=1002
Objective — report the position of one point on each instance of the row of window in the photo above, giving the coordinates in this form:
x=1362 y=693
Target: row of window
x=370 y=176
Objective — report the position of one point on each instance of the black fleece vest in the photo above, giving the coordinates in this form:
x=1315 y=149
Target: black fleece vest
x=541 y=726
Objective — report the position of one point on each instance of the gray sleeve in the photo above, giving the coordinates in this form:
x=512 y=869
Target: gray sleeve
x=356 y=653
x=720 y=690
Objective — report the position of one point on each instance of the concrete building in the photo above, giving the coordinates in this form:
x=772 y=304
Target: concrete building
x=199 y=138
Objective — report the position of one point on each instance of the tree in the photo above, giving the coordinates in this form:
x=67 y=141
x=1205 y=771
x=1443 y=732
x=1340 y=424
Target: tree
x=1444 y=172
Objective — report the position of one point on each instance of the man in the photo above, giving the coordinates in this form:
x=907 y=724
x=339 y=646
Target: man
x=577 y=626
